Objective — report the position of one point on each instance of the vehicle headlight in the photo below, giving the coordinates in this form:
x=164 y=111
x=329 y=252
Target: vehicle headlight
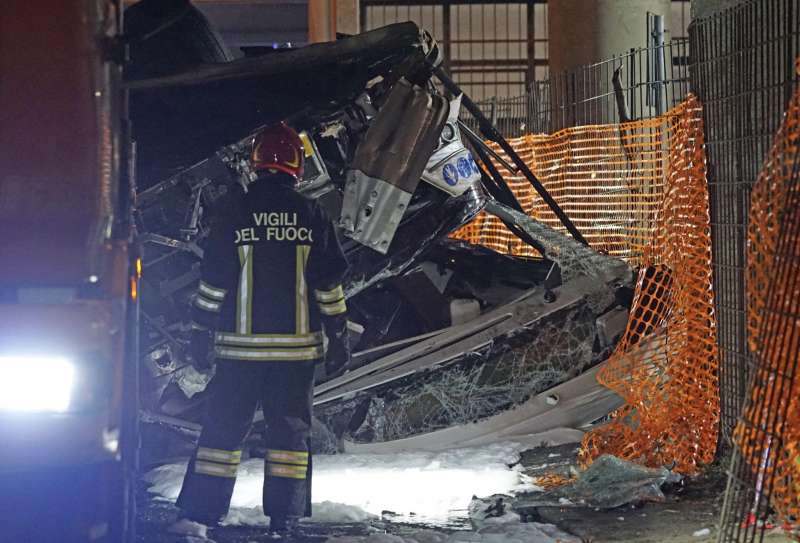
x=36 y=383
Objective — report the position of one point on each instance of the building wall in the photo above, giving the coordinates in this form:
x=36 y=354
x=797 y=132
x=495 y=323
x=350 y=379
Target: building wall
x=496 y=49
x=584 y=32
x=493 y=49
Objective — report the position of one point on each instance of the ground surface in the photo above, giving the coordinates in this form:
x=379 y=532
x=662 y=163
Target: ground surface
x=691 y=507
x=688 y=509
x=155 y=518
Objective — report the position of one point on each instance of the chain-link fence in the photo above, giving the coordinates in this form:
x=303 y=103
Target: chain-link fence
x=764 y=482
x=742 y=71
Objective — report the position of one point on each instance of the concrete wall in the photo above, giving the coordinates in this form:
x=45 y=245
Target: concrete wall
x=586 y=31
x=348 y=15
x=326 y=18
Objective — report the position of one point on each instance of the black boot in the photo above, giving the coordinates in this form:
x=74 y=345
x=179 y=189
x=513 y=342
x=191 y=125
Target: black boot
x=283 y=525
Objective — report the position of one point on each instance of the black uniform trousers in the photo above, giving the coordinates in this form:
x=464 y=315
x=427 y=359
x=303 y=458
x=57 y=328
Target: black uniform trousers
x=285 y=390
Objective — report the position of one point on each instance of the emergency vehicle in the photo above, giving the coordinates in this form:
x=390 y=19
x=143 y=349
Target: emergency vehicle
x=69 y=276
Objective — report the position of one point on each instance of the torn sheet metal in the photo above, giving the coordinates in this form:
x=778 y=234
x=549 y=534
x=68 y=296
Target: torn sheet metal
x=388 y=164
x=183 y=117
x=475 y=371
x=372 y=210
x=428 y=219
x=500 y=360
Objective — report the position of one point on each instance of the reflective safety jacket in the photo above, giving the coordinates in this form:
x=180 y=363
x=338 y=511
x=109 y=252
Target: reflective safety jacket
x=271 y=276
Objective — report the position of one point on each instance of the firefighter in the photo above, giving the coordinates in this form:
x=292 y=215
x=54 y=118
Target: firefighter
x=270 y=284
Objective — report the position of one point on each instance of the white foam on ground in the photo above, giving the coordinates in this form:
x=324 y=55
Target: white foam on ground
x=432 y=486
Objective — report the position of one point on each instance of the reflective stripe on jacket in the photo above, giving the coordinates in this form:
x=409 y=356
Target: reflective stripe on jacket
x=271 y=275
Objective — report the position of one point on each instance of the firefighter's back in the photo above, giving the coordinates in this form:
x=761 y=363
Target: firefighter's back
x=269 y=255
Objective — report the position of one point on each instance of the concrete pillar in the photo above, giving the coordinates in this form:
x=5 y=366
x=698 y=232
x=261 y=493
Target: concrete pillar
x=586 y=31
x=321 y=20
x=348 y=16
x=327 y=17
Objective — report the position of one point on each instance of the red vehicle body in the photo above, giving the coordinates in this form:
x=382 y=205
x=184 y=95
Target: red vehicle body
x=68 y=276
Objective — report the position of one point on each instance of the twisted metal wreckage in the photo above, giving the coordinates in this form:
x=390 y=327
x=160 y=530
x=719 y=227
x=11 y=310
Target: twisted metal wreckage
x=455 y=344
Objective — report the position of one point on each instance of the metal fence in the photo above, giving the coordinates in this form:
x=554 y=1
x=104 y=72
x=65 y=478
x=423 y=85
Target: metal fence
x=764 y=477
x=742 y=71
x=495 y=49
x=741 y=67
x=740 y=62
x=490 y=48
x=640 y=84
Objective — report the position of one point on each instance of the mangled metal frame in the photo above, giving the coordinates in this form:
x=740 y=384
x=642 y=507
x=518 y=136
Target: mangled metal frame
x=376 y=204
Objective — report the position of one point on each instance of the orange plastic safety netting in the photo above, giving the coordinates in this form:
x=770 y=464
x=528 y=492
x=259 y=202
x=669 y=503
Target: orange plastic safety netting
x=666 y=365
x=638 y=191
x=609 y=179
x=768 y=434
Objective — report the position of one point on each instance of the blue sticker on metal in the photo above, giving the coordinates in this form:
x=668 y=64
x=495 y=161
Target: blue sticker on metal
x=450 y=174
x=475 y=169
x=464 y=167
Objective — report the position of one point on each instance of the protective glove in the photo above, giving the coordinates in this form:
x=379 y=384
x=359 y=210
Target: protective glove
x=337 y=357
x=200 y=349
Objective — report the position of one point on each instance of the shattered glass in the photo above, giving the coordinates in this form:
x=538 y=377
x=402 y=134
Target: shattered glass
x=608 y=483
x=506 y=373
x=574 y=258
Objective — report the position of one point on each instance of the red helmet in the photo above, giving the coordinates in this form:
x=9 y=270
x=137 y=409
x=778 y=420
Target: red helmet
x=278 y=148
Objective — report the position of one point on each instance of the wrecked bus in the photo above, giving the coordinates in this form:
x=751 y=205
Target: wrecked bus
x=445 y=333
x=68 y=277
